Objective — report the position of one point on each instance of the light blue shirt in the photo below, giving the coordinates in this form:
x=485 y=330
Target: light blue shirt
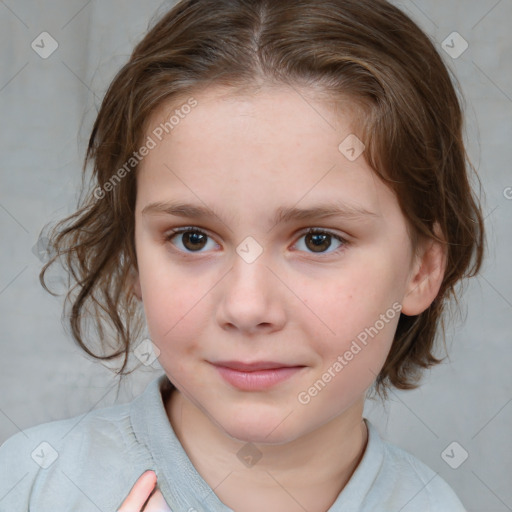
x=90 y=462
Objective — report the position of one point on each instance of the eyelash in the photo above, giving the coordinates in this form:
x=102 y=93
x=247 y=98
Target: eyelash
x=344 y=242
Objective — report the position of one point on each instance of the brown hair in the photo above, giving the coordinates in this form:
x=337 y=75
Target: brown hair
x=366 y=50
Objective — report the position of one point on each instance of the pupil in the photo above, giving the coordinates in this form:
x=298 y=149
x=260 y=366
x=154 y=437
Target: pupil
x=319 y=241
x=193 y=238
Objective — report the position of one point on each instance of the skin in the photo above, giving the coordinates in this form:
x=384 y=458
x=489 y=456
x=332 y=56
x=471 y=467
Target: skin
x=139 y=494
x=243 y=157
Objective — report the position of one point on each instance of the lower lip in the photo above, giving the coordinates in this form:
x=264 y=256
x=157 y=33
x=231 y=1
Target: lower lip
x=257 y=380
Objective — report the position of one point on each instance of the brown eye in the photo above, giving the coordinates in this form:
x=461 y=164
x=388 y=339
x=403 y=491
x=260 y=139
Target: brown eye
x=319 y=241
x=192 y=240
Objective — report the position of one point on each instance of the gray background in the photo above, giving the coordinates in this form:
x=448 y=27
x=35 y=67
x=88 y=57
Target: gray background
x=47 y=108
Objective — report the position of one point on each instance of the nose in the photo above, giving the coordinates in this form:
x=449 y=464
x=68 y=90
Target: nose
x=252 y=298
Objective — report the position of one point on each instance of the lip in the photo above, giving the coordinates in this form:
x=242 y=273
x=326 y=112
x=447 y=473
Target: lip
x=255 y=376
x=254 y=366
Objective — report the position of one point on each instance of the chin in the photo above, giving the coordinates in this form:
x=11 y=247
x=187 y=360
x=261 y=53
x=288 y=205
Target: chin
x=260 y=428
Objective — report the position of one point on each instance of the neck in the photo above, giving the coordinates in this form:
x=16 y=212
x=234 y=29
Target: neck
x=319 y=463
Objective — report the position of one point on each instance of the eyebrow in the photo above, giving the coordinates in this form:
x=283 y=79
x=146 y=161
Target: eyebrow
x=282 y=214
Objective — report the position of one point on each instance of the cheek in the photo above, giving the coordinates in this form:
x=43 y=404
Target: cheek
x=350 y=360
x=355 y=313
x=173 y=317
x=172 y=301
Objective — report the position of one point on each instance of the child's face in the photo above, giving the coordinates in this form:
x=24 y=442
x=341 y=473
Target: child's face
x=304 y=300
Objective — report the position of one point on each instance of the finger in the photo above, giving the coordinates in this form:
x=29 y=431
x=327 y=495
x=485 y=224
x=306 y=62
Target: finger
x=139 y=493
x=157 y=503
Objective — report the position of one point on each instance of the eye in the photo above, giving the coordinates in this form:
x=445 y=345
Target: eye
x=193 y=240
x=315 y=239
x=319 y=240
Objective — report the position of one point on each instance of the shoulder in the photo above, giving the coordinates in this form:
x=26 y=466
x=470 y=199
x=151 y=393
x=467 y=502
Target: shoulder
x=417 y=485
x=40 y=463
x=74 y=435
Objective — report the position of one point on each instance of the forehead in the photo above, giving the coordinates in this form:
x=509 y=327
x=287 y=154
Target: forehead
x=292 y=125
x=273 y=145
x=336 y=111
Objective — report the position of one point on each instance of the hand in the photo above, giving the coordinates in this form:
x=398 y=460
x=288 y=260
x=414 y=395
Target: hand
x=144 y=488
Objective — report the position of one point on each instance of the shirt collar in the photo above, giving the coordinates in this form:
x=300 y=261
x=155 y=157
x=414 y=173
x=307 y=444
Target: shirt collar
x=183 y=487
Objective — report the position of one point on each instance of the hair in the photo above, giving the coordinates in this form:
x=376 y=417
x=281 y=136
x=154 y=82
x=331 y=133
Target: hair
x=368 y=51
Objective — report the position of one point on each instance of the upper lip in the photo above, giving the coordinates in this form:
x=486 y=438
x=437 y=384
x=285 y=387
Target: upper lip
x=254 y=366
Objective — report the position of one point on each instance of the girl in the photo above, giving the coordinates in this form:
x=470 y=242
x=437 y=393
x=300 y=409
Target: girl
x=280 y=193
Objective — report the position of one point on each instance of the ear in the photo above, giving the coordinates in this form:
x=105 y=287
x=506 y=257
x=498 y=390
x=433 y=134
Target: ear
x=136 y=284
x=426 y=276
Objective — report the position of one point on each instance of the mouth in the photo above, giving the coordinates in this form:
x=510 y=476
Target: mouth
x=253 y=367
x=255 y=376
